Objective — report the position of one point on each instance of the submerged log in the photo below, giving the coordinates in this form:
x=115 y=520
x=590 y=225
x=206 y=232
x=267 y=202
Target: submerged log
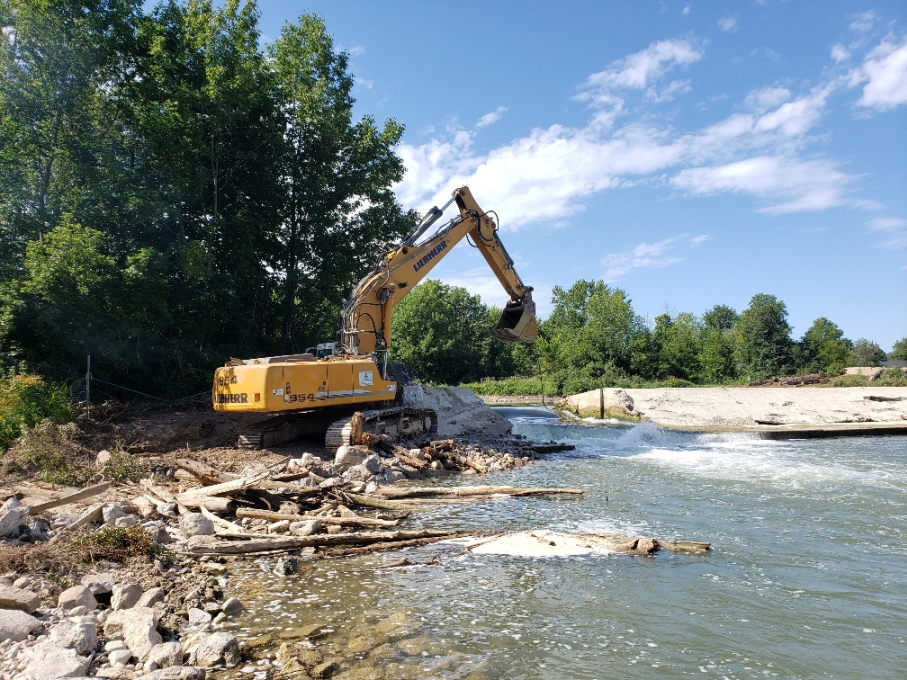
x=282 y=543
x=467 y=491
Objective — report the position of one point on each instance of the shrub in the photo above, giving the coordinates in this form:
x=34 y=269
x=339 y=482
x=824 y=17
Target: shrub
x=51 y=450
x=849 y=381
x=892 y=377
x=26 y=400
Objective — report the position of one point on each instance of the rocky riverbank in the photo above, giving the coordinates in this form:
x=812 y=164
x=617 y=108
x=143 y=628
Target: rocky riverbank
x=136 y=580
x=772 y=411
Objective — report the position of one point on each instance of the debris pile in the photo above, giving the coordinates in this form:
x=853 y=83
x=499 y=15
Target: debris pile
x=792 y=381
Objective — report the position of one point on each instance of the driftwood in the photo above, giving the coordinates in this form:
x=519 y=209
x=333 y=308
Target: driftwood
x=374 y=502
x=386 y=545
x=203 y=472
x=357 y=521
x=406 y=459
x=87 y=492
x=233 y=486
x=225 y=506
x=466 y=491
x=219 y=522
x=481 y=469
x=645 y=546
x=281 y=543
x=93 y=514
x=156 y=490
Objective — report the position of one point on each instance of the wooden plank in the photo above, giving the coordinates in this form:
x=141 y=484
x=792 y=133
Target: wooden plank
x=262 y=544
x=222 y=489
x=93 y=514
x=87 y=492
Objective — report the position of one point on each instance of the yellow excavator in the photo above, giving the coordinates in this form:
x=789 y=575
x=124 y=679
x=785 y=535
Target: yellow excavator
x=308 y=394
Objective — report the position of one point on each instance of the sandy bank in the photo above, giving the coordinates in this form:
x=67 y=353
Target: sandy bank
x=773 y=411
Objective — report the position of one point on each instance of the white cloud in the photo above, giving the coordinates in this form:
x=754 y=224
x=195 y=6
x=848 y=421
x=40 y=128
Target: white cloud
x=840 y=54
x=686 y=10
x=797 y=184
x=648 y=256
x=491 y=117
x=356 y=50
x=638 y=70
x=863 y=21
x=728 y=24
x=674 y=88
x=887 y=224
x=766 y=98
x=885 y=73
x=548 y=175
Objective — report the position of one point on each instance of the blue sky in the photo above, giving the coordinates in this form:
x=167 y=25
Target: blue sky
x=691 y=153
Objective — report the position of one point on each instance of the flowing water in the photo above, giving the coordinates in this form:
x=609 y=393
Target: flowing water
x=807 y=576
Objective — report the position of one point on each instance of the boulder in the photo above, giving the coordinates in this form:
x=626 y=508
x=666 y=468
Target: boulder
x=71 y=634
x=120 y=656
x=12 y=516
x=127 y=521
x=19 y=598
x=151 y=597
x=99 y=584
x=196 y=524
x=16 y=625
x=231 y=606
x=357 y=473
x=102 y=458
x=215 y=649
x=285 y=566
x=372 y=464
x=305 y=527
x=199 y=617
x=47 y=661
x=112 y=512
x=77 y=596
x=137 y=626
x=348 y=456
x=158 y=532
x=167 y=654
x=125 y=595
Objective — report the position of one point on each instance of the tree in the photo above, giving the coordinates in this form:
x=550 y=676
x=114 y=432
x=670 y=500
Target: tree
x=442 y=332
x=719 y=340
x=899 y=351
x=865 y=353
x=679 y=343
x=763 y=338
x=338 y=214
x=824 y=347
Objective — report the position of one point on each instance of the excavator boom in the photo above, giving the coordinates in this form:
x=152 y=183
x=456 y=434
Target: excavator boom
x=366 y=323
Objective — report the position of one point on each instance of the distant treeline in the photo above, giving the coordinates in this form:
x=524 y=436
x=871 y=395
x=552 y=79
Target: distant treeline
x=173 y=193
x=594 y=338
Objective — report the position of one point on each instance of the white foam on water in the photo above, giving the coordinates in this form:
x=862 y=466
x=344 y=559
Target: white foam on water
x=764 y=464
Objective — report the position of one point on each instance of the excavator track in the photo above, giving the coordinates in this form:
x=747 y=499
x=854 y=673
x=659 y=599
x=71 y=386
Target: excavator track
x=396 y=423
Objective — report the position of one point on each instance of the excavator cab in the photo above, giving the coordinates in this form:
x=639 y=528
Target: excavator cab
x=518 y=322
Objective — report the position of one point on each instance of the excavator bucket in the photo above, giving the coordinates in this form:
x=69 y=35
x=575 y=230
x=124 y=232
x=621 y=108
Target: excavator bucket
x=518 y=323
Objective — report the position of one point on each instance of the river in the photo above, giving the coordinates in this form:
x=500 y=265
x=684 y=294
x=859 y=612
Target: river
x=807 y=576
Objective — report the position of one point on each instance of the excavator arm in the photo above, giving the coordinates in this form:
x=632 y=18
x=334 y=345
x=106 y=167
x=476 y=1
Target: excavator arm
x=366 y=323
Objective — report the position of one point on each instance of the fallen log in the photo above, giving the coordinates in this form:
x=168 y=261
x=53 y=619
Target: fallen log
x=277 y=543
x=466 y=491
x=87 y=492
x=409 y=460
x=224 y=506
x=387 y=545
x=373 y=502
x=222 y=489
x=204 y=472
x=270 y=515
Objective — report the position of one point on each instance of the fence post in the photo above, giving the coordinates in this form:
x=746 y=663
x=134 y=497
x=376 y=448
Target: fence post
x=88 y=387
x=601 y=403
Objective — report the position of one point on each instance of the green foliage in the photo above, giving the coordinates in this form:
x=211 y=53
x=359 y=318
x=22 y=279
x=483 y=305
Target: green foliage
x=679 y=343
x=898 y=351
x=849 y=381
x=892 y=377
x=26 y=401
x=515 y=386
x=121 y=467
x=173 y=192
x=763 y=338
x=48 y=449
x=442 y=332
x=824 y=348
x=865 y=353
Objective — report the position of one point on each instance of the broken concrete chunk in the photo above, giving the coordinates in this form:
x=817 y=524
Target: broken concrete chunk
x=19 y=598
x=16 y=625
x=124 y=596
x=77 y=596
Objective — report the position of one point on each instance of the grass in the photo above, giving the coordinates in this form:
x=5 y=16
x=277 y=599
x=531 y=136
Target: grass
x=68 y=556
